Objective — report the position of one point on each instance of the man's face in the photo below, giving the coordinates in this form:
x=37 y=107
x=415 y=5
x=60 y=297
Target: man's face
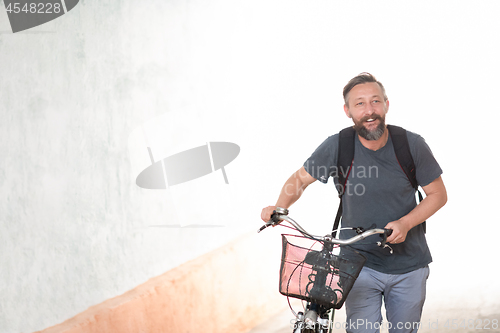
x=367 y=108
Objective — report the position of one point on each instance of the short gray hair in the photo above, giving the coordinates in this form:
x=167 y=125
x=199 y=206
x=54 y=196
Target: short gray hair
x=360 y=79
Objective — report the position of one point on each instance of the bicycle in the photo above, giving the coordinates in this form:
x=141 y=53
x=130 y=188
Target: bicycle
x=319 y=270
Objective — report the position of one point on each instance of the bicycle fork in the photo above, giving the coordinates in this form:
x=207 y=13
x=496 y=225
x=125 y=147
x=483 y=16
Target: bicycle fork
x=314 y=320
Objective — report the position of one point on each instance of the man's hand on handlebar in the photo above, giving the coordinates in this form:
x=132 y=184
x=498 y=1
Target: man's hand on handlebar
x=267 y=212
x=273 y=216
x=399 y=232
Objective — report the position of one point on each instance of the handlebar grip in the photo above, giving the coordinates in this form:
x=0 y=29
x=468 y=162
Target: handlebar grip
x=275 y=218
x=273 y=221
x=387 y=233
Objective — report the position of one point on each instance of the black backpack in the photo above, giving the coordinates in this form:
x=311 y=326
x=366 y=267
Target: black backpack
x=346 y=158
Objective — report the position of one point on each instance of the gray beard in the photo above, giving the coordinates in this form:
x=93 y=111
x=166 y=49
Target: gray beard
x=370 y=135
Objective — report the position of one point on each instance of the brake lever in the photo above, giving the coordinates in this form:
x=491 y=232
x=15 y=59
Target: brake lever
x=275 y=220
x=383 y=243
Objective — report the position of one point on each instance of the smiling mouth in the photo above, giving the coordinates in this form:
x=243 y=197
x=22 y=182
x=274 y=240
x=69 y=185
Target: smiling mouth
x=370 y=121
x=371 y=118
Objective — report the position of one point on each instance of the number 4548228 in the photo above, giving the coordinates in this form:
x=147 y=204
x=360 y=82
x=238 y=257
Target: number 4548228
x=34 y=8
x=478 y=324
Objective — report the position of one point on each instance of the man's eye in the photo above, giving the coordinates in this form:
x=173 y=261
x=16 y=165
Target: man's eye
x=376 y=101
x=360 y=103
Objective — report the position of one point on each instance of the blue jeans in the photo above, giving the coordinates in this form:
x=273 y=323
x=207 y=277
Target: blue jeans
x=403 y=295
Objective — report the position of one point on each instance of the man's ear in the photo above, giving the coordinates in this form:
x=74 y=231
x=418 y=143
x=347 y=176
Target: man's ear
x=346 y=110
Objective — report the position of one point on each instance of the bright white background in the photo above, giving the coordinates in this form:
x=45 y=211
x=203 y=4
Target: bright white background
x=78 y=93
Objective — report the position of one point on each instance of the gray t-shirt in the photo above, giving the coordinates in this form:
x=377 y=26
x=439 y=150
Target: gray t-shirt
x=378 y=192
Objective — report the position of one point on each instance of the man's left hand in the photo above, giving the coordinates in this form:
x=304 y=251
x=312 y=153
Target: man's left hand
x=399 y=232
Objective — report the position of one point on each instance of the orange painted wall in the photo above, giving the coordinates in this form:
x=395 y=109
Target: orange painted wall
x=228 y=290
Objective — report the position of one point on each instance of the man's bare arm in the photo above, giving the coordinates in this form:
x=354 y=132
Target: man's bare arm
x=436 y=198
x=291 y=192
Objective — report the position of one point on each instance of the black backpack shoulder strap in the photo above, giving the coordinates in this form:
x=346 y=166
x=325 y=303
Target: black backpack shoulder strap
x=405 y=160
x=345 y=158
x=403 y=153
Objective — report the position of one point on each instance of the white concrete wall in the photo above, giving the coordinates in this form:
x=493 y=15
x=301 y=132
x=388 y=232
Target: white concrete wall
x=76 y=93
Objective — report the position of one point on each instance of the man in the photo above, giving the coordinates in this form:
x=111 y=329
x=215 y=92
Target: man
x=378 y=192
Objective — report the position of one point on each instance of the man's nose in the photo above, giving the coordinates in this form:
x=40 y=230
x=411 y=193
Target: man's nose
x=369 y=110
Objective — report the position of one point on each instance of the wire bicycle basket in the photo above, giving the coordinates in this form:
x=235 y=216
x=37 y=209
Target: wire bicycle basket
x=314 y=274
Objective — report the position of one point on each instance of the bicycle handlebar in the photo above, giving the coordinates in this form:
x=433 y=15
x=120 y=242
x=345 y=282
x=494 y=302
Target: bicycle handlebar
x=282 y=214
